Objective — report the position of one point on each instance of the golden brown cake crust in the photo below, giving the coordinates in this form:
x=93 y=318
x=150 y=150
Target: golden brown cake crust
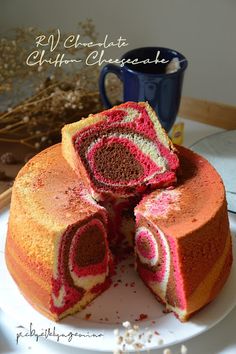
x=193 y=220
x=57 y=199
x=47 y=200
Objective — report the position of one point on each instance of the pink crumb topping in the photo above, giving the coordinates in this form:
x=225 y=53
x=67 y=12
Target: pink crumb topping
x=141 y=317
x=161 y=203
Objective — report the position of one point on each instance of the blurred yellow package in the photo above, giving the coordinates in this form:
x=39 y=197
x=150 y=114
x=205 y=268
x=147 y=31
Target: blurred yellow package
x=177 y=134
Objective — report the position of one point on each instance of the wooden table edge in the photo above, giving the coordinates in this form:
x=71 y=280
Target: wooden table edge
x=207 y=112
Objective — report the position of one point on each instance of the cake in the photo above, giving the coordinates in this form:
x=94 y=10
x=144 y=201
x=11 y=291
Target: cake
x=60 y=238
x=56 y=249
x=121 y=224
x=182 y=241
x=121 y=152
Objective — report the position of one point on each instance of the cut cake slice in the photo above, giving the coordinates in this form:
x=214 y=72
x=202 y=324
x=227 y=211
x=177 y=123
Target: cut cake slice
x=183 y=242
x=120 y=152
x=56 y=249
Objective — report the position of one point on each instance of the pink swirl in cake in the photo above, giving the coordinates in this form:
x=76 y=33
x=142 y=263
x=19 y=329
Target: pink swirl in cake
x=82 y=264
x=125 y=151
x=153 y=257
x=146 y=246
x=158 y=277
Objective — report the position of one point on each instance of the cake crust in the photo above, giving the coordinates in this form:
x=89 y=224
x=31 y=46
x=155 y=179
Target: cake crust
x=189 y=227
x=56 y=249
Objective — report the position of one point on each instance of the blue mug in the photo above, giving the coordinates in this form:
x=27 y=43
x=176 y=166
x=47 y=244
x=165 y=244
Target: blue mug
x=144 y=77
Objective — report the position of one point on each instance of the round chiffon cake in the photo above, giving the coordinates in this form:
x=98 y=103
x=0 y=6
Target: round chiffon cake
x=59 y=239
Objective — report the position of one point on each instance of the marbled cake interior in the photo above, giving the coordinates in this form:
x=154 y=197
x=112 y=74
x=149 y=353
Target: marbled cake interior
x=60 y=238
x=124 y=151
x=181 y=243
x=57 y=248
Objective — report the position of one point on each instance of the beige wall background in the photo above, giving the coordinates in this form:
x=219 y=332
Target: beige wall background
x=203 y=30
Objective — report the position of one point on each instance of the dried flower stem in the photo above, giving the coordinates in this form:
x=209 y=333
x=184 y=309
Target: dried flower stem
x=61 y=96
x=12 y=126
x=29 y=102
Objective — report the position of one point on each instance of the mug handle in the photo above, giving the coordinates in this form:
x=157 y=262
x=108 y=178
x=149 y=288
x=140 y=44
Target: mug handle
x=109 y=68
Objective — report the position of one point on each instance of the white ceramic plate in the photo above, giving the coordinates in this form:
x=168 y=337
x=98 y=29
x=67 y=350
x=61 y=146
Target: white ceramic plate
x=220 y=150
x=127 y=301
